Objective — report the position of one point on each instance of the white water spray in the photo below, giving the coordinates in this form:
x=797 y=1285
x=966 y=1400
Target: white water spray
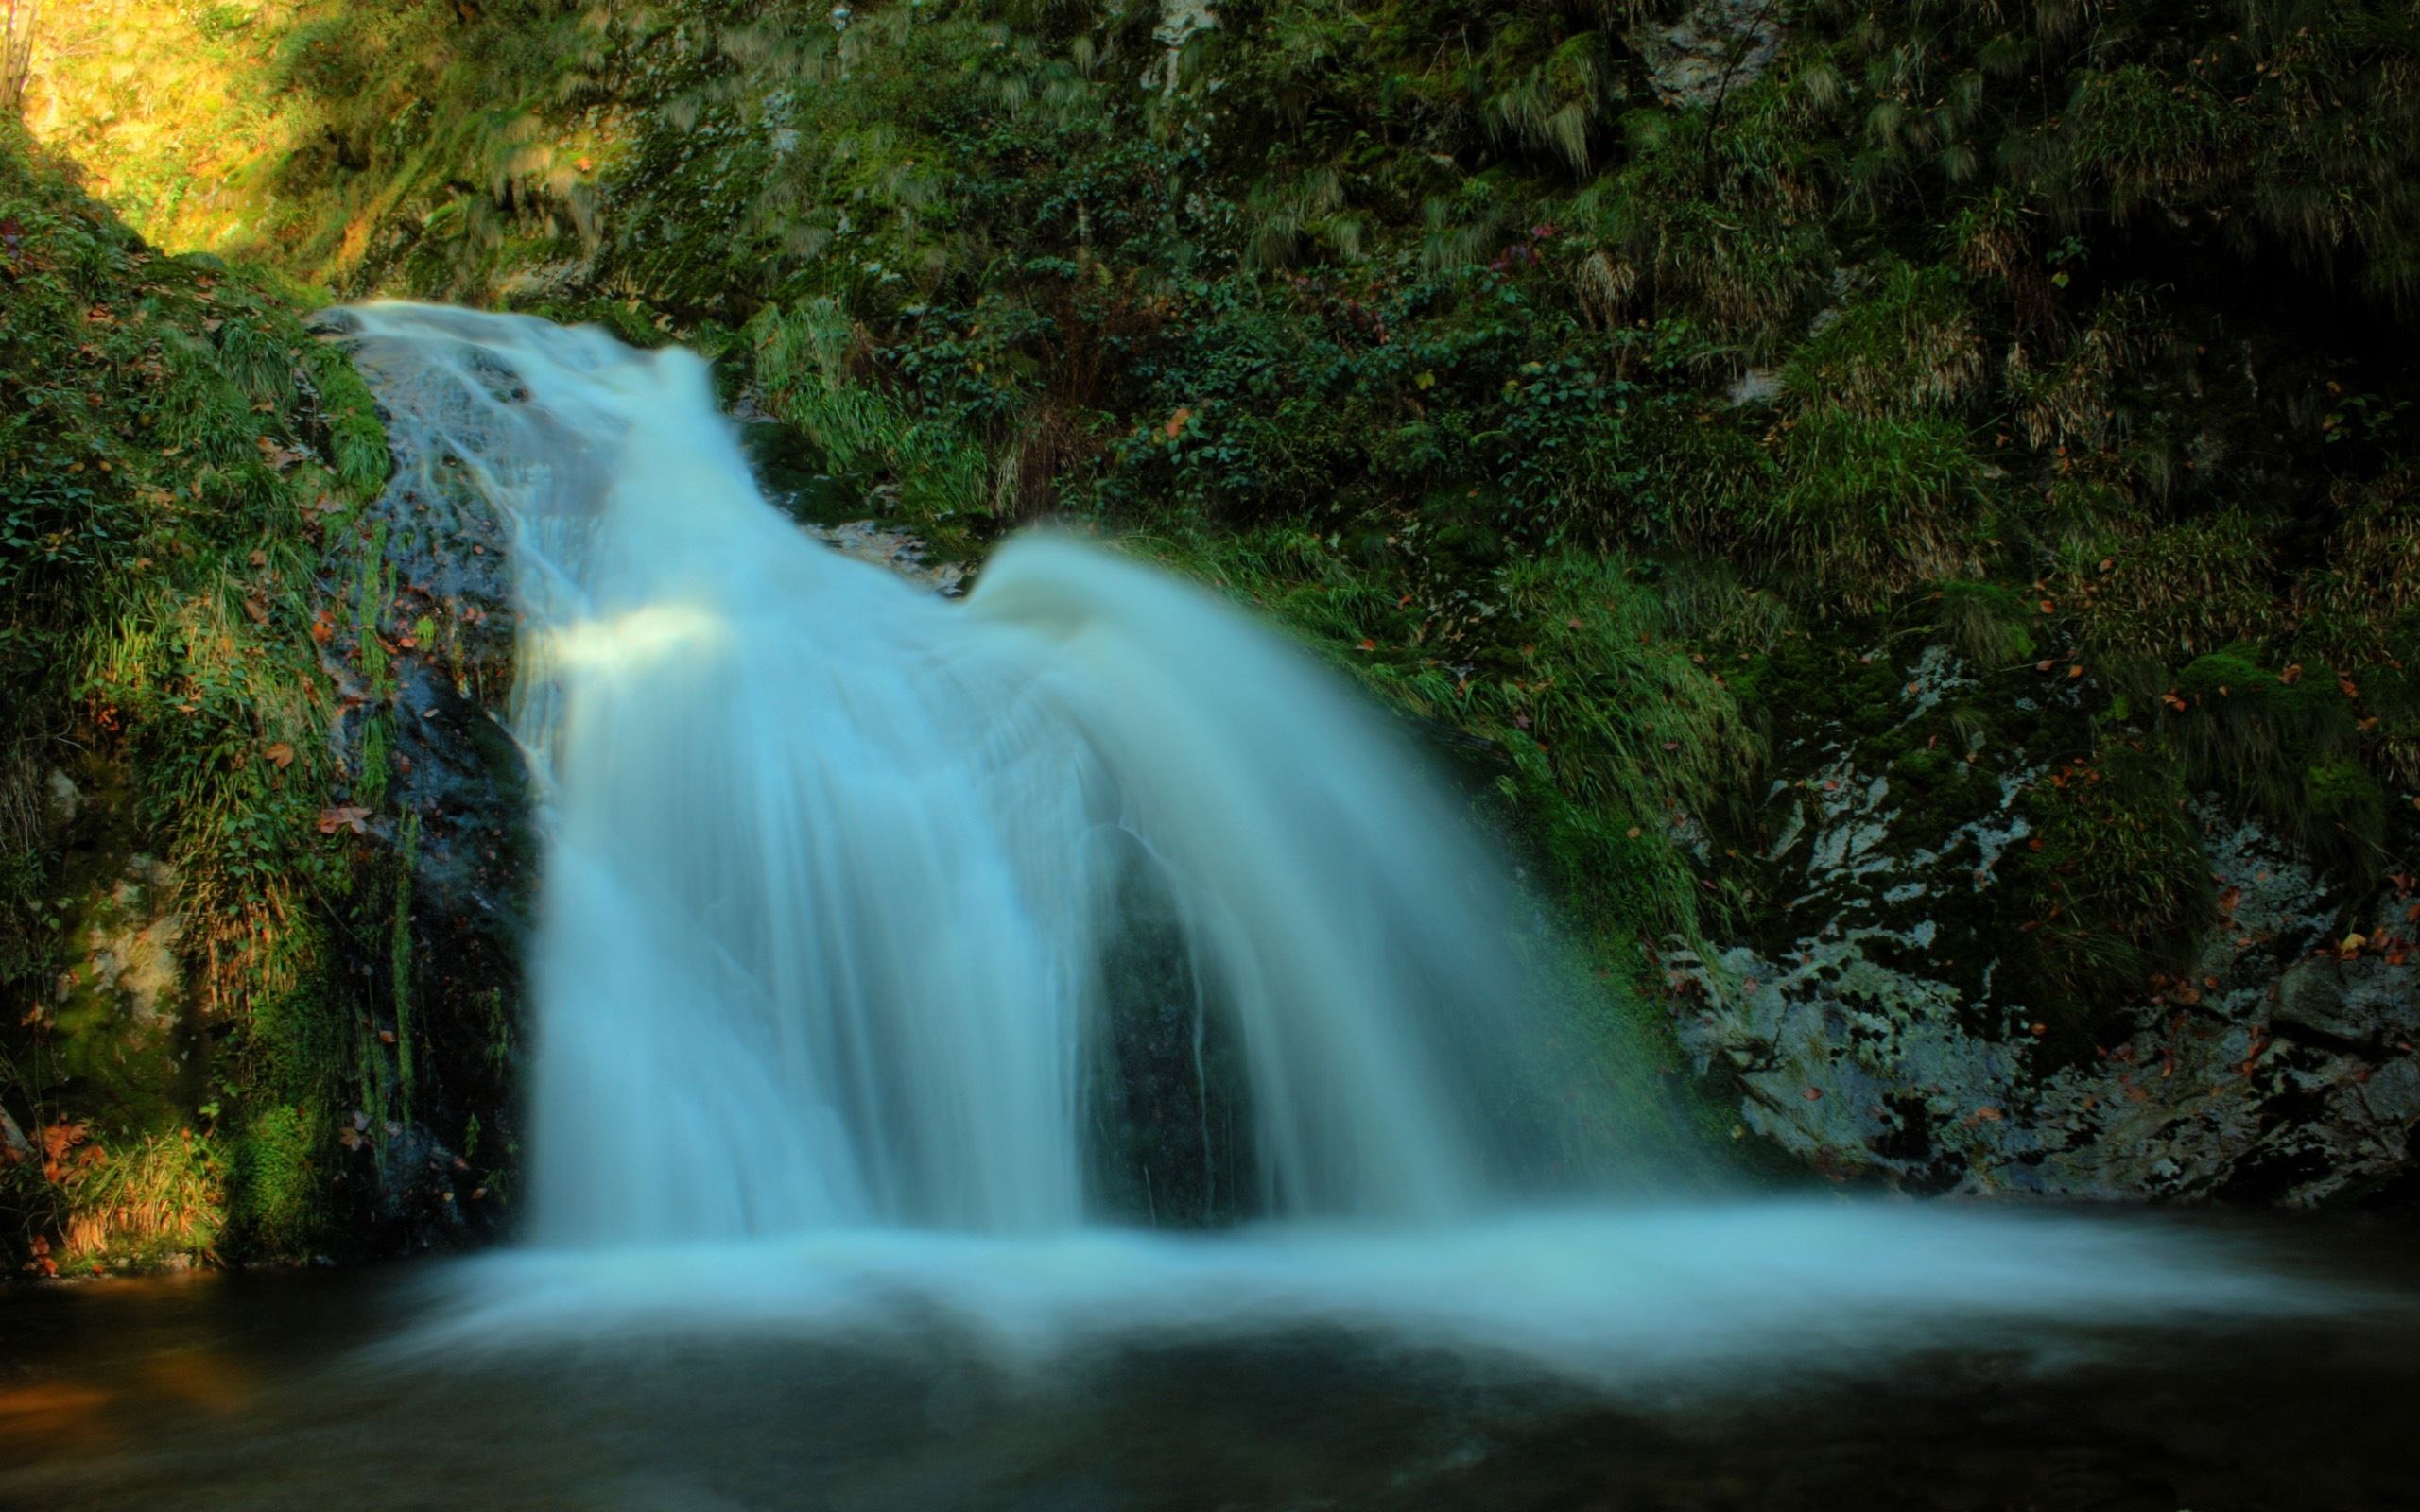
x=834 y=871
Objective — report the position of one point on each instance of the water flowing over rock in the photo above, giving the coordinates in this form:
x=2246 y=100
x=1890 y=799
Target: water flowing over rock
x=870 y=914
x=834 y=865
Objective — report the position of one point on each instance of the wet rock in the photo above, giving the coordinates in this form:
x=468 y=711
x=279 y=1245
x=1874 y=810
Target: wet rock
x=1180 y=21
x=416 y=631
x=2311 y=996
x=1716 y=47
x=2392 y=1093
x=126 y=946
x=899 y=550
x=1879 y=1034
x=1757 y=385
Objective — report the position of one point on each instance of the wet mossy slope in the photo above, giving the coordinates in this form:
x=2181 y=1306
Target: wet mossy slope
x=1902 y=511
x=189 y=1062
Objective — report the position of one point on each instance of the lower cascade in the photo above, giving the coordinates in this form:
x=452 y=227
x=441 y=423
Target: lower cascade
x=847 y=885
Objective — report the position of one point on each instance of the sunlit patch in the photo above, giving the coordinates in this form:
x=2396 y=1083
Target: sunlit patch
x=640 y=639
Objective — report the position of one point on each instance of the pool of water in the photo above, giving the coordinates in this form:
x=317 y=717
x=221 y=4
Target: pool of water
x=409 y=1386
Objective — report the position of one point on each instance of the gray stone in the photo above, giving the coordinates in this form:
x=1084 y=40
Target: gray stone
x=1852 y=1056
x=2392 y=1093
x=2311 y=994
x=1718 y=46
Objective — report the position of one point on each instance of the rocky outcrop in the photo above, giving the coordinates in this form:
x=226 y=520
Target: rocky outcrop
x=416 y=633
x=1716 y=47
x=1180 y=21
x=417 y=627
x=1884 y=1032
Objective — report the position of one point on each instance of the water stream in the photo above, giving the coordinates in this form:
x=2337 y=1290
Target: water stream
x=846 y=886
x=848 y=892
x=835 y=870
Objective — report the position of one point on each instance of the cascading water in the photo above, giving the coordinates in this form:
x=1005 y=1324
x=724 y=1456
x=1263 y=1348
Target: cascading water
x=834 y=864
x=845 y=892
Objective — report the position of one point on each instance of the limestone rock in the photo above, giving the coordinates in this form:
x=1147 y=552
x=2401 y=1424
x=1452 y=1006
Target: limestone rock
x=129 y=945
x=898 y=550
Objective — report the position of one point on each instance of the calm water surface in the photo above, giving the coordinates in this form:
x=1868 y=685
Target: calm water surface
x=272 y=1391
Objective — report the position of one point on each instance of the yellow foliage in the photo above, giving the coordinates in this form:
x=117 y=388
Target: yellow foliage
x=170 y=110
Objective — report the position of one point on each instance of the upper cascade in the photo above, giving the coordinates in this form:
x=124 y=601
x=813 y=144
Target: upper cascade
x=836 y=871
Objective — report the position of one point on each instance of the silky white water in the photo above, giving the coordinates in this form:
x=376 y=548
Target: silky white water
x=832 y=863
x=835 y=870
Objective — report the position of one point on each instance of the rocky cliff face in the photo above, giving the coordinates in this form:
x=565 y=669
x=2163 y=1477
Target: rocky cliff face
x=1890 y=1018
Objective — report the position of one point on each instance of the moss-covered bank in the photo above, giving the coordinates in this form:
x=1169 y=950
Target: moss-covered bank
x=195 y=938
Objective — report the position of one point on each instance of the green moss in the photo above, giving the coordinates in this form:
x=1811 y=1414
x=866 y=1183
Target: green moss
x=2119 y=879
x=2344 y=795
x=276 y=1193
x=399 y=958
x=160 y=479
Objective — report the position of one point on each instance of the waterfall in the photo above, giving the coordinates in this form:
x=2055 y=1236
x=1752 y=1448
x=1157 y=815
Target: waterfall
x=835 y=870
x=866 y=912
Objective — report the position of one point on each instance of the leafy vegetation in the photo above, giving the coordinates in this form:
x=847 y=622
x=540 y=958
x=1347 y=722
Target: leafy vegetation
x=170 y=442
x=1598 y=390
